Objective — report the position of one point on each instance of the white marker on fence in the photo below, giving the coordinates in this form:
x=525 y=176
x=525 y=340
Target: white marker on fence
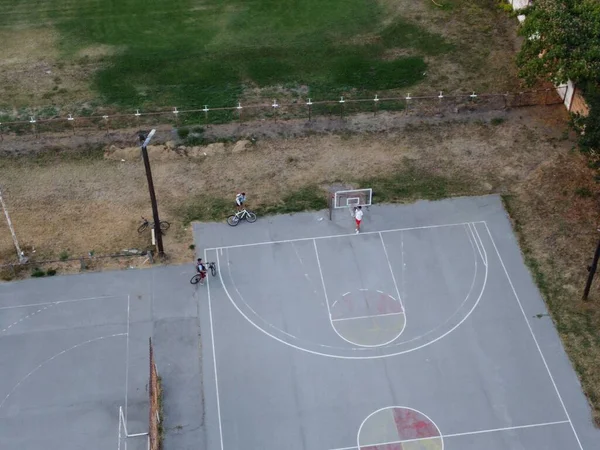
x=175 y=110
x=375 y=99
x=441 y=96
x=32 y=119
x=70 y=117
x=342 y=100
x=137 y=113
x=473 y=95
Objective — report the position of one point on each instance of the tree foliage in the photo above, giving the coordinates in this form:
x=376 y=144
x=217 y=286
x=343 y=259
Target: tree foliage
x=589 y=126
x=562 y=41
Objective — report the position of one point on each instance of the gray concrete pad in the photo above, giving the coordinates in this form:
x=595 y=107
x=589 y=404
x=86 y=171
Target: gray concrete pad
x=420 y=332
x=75 y=349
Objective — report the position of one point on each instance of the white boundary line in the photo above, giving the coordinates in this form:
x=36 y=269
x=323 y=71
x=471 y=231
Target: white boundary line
x=387 y=258
x=476 y=240
x=127 y=364
x=534 y=338
x=333 y=356
x=212 y=340
x=62 y=301
x=284 y=241
x=469 y=433
x=367 y=317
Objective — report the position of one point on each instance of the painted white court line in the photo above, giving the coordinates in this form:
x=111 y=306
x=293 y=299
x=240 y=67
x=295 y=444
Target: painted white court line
x=127 y=362
x=54 y=357
x=284 y=241
x=534 y=338
x=472 y=232
x=270 y=325
x=367 y=317
x=357 y=349
x=62 y=301
x=395 y=284
x=329 y=311
x=327 y=297
x=468 y=433
x=212 y=340
x=26 y=317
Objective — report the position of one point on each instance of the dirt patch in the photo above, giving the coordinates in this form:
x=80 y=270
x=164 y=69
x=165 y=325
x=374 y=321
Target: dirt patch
x=33 y=74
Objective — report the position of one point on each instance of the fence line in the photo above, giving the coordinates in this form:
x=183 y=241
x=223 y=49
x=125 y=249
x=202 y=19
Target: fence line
x=308 y=107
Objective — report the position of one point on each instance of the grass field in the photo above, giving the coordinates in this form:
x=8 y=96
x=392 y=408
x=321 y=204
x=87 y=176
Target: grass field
x=154 y=53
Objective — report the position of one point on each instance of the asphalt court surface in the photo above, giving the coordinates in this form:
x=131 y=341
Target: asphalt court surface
x=422 y=332
x=75 y=350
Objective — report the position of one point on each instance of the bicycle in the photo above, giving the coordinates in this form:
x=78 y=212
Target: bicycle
x=234 y=219
x=164 y=225
x=199 y=278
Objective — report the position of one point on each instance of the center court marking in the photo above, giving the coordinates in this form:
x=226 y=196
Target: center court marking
x=468 y=433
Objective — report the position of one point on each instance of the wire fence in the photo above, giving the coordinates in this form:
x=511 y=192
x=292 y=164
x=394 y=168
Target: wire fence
x=427 y=105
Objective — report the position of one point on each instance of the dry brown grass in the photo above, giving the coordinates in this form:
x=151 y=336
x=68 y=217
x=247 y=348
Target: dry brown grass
x=556 y=214
x=33 y=75
x=61 y=204
x=486 y=40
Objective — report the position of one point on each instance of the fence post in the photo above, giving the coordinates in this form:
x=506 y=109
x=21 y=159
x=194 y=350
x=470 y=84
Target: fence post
x=275 y=106
x=342 y=101
x=375 y=105
x=205 y=115
x=32 y=121
x=309 y=104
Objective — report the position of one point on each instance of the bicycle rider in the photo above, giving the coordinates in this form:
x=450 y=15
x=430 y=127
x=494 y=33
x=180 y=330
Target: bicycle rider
x=201 y=269
x=239 y=201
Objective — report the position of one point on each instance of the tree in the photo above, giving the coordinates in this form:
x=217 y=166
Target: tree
x=562 y=42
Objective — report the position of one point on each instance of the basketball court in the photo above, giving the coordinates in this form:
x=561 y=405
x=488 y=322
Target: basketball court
x=424 y=331
x=75 y=357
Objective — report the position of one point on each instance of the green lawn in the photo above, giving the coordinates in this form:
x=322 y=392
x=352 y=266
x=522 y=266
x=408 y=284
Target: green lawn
x=195 y=52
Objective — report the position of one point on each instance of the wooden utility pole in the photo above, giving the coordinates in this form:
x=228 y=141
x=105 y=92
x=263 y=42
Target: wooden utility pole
x=592 y=271
x=157 y=231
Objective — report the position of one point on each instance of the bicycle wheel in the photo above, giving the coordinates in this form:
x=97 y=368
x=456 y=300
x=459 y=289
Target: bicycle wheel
x=143 y=227
x=213 y=269
x=195 y=279
x=250 y=216
x=164 y=225
x=233 y=220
